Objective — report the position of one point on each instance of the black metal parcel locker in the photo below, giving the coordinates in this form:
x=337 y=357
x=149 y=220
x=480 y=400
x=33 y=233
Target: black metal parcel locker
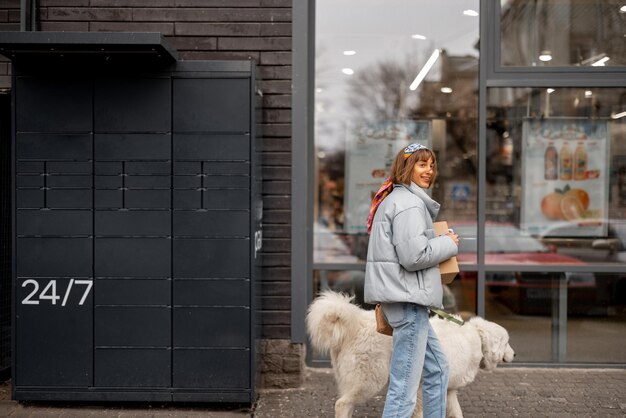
x=137 y=225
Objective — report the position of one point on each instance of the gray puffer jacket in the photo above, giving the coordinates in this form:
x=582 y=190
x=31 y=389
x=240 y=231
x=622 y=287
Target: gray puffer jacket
x=404 y=254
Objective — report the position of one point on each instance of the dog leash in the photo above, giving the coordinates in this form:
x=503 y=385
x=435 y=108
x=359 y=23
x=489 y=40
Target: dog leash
x=445 y=315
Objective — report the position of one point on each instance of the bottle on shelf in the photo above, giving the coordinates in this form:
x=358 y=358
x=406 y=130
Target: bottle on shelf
x=565 y=160
x=551 y=162
x=580 y=162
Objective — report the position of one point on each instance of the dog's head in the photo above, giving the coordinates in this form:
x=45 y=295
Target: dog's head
x=495 y=343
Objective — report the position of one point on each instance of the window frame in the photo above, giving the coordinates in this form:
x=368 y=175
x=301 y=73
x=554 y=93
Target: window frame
x=496 y=72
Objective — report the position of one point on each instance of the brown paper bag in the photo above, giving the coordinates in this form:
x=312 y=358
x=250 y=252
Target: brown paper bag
x=449 y=268
x=382 y=325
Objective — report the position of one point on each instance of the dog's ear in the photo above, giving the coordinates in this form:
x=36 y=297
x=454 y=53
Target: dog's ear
x=491 y=343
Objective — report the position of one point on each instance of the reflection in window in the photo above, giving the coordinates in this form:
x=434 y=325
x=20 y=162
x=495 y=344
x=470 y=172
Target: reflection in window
x=398 y=74
x=554 y=196
x=603 y=321
x=555 y=175
x=562 y=33
x=528 y=305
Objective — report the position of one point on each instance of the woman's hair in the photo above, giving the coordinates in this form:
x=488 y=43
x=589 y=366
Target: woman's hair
x=401 y=173
x=402 y=168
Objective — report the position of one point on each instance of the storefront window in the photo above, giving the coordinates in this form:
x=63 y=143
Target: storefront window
x=573 y=317
x=556 y=176
x=527 y=309
x=555 y=195
x=401 y=72
x=603 y=320
x=558 y=33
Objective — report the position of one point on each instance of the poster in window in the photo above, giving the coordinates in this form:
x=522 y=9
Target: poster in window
x=371 y=151
x=565 y=177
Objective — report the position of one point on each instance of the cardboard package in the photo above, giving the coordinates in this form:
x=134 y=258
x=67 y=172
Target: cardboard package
x=449 y=268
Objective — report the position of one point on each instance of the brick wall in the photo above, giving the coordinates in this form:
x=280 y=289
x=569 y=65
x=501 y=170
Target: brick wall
x=9 y=21
x=214 y=29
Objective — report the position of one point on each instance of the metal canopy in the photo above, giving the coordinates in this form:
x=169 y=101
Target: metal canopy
x=87 y=47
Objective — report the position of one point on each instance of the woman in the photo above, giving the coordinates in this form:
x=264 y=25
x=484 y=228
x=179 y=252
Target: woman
x=402 y=273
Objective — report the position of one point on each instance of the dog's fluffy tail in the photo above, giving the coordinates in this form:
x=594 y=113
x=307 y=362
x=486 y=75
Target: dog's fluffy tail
x=328 y=320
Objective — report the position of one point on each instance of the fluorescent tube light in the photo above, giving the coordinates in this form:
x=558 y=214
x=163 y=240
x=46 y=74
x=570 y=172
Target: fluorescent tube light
x=618 y=115
x=418 y=36
x=593 y=59
x=347 y=71
x=446 y=90
x=470 y=12
x=350 y=52
x=425 y=69
x=600 y=62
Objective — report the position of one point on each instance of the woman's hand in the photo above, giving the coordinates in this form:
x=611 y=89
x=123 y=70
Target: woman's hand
x=454 y=236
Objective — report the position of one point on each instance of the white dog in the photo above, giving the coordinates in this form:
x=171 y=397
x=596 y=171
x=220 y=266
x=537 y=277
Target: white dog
x=360 y=356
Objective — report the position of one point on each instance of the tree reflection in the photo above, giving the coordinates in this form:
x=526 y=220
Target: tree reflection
x=381 y=92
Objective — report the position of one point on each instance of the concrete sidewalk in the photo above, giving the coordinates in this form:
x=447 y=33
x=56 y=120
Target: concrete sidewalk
x=506 y=392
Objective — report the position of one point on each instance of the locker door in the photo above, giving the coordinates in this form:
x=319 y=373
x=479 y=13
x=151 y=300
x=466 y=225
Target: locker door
x=211 y=227
x=132 y=263
x=53 y=271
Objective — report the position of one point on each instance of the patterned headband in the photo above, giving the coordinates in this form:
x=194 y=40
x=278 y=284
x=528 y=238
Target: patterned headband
x=412 y=148
x=387 y=187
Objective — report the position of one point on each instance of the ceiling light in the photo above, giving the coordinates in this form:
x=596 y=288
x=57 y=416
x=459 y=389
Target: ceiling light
x=618 y=115
x=347 y=71
x=350 y=52
x=593 y=60
x=550 y=91
x=446 y=90
x=623 y=9
x=425 y=69
x=588 y=93
x=600 y=62
x=470 y=12
x=545 y=56
x=418 y=36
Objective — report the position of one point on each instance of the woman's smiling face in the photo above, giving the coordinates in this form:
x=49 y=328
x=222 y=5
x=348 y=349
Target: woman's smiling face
x=423 y=172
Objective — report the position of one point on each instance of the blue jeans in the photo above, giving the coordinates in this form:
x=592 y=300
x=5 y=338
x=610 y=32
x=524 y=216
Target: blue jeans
x=415 y=348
